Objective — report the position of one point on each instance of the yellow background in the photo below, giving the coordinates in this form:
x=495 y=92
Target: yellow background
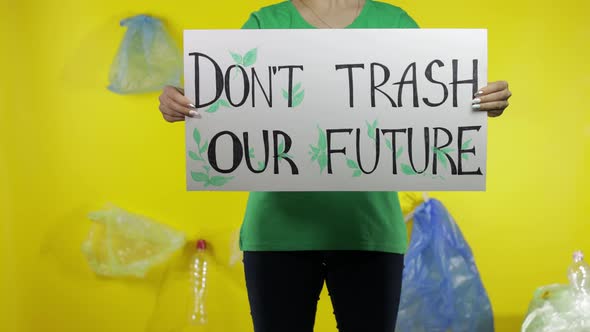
x=67 y=146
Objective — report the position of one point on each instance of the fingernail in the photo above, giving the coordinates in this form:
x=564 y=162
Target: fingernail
x=475 y=106
x=193 y=113
x=479 y=93
x=476 y=101
x=191 y=106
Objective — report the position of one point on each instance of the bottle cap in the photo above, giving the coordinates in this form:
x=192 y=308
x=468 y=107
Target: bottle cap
x=201 y=245
x=578 y=256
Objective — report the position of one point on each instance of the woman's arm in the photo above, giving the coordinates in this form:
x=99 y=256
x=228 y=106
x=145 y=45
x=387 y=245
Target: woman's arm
x=174 y=106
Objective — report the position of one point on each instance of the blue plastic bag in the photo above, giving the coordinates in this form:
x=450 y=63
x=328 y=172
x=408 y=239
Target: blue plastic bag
x=441 y=288
x=147 y=59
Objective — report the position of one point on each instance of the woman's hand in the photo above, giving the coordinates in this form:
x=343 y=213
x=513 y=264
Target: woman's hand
x=174 y=105
x=492 y=98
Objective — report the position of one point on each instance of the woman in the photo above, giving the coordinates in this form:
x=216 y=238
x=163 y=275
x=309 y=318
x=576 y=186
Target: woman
x=354 y=241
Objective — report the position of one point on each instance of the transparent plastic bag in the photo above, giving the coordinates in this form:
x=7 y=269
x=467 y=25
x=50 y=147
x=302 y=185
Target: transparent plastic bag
x=147 y=59
x=562 y=308
x=235 y=254
x=125 y=244
x=441 y=288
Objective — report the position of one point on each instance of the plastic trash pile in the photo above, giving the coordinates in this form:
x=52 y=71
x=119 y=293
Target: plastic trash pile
x=562 y=308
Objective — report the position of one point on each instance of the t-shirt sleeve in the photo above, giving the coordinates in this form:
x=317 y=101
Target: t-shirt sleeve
x=405 y=21
x=252 y=23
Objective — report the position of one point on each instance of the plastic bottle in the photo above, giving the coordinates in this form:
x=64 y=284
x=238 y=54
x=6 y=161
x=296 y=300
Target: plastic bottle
x=579 y=274
x=198 y=270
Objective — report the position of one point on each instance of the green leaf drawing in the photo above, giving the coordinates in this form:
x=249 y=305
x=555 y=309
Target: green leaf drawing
x=219 y=181
x=197 y=136
x=286 y=155
x=371 y=133
x=351 y=164
x=207 y=168
x=406 y=169
x=322 y=139
x=281 y=148
x=440 y=155
x=319 y=152
x=204 y=147
x=194 y=156
x=465 y=144
x=371 y=129
x=237 y=58
x=388 y=144
x=199 y=177
x=322 y=161
x=399 y=152
x=260 y=165
x=315 y=151
x=250 y=57
x=447 y=150
x=441 y=158
x=298 y=98
x=251 y=152
x=213 y=108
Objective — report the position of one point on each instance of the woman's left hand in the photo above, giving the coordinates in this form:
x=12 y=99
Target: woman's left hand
x=492 y=98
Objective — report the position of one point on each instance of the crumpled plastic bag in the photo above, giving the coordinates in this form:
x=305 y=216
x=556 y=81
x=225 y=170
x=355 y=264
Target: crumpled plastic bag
x=441 y=287
x=557 y=308
x=125 y=244
x=147 y=59
x=562 y=308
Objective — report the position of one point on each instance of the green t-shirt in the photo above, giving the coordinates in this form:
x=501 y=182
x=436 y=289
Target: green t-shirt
x=283 y=221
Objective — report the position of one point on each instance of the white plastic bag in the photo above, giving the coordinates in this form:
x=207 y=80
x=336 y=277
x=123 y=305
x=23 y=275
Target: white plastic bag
x=562 y=308
x=125 y=244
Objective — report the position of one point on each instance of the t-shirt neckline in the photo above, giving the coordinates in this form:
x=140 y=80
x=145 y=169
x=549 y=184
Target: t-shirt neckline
x=353 y=24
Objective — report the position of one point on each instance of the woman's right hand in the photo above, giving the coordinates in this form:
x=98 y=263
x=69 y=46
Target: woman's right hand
x=174 y=106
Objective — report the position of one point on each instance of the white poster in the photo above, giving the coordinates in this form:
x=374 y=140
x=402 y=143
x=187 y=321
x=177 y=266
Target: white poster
x=335 y=110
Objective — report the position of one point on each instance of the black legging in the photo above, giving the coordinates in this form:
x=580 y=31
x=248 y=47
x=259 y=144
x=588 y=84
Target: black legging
x=284 y=287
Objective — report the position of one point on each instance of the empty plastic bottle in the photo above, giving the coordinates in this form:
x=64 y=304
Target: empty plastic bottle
x=579 y=274
x=198 y=270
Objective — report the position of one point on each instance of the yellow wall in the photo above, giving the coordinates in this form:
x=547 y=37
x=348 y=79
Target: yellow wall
x=67 y=146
